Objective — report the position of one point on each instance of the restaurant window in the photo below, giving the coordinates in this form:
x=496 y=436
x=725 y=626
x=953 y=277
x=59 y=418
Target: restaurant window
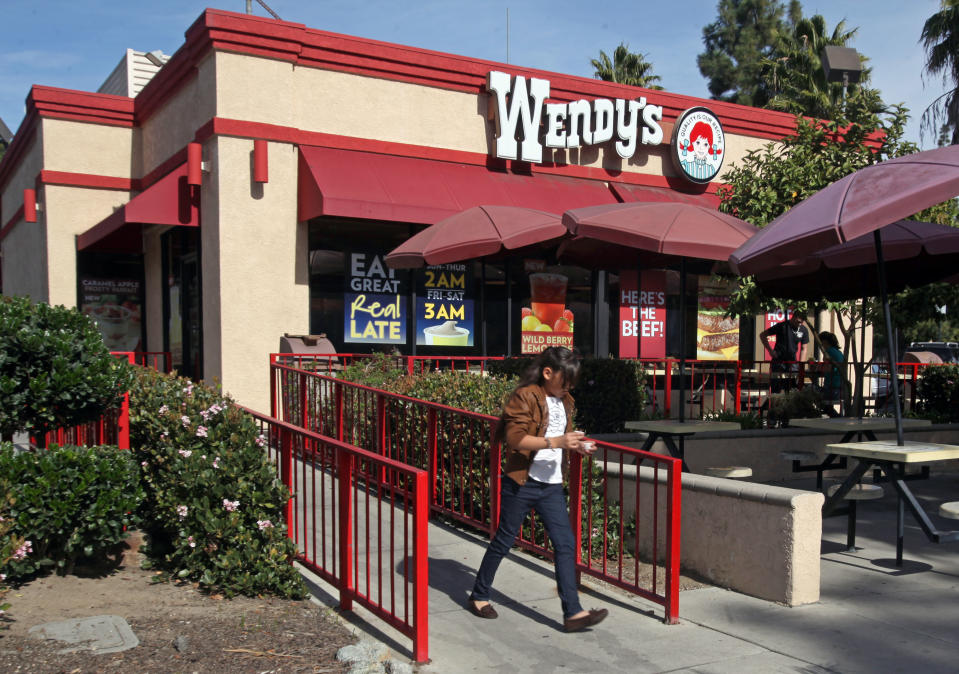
x=182 y=308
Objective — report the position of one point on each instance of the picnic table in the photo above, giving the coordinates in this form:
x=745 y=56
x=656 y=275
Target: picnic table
x=668 y=430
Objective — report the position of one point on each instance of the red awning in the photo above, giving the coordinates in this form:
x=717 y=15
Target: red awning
x=354 y=184
x=643 y=193
x=168 y=201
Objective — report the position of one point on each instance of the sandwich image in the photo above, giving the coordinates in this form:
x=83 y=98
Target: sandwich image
x=716 y=332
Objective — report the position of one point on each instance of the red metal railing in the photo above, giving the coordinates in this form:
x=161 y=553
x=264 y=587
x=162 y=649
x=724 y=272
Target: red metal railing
x=622 y=523
x=326 y=363
x=360 y=521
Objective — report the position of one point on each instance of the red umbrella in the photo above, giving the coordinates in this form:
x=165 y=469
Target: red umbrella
x=680 y=230
x=476 y=232
x=860 y=203
x=658 y=233
x=915 y=253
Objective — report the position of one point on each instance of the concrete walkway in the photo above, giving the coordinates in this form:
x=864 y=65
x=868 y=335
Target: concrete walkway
x=872 y=616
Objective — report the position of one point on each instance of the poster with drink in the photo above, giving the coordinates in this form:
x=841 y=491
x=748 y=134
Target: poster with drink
x=642 y=314
x=717 y=335
x=116 y=306
x=546 y=321
x=444 y=306
x=374 y=301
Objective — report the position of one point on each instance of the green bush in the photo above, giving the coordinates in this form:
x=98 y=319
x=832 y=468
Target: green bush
x=746 y=420
x=70 y=502
x=213 y=508
x=795 y=404
x=55 y=369
x=938 y=391
x=12 y=546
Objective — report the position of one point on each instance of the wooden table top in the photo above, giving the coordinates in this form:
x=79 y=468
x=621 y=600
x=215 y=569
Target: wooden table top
x=856 y=423
x=676 y=427
x=888 y=450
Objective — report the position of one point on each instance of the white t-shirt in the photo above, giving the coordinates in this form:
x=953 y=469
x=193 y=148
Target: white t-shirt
x=547 y=464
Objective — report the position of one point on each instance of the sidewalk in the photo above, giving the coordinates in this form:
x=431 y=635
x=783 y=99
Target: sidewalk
x=872 y=617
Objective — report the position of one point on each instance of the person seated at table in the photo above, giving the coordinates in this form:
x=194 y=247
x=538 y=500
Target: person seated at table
x=792 y=336
x=833 y=380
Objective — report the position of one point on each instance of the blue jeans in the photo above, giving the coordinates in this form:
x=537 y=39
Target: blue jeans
x=549 y=501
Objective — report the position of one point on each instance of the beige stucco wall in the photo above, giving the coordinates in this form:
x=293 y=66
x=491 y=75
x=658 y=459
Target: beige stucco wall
x=756 y=539
x=93 y=149
x=154 y=283
x=345 y=104
x=69 y=211
x=24 y=248
x=175 y=124
x=255 y=278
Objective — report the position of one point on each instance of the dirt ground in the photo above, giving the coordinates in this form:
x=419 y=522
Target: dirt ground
x=180 y=629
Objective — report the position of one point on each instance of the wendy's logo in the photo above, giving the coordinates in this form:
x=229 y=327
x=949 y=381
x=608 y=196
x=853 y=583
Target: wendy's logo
x=698 y=145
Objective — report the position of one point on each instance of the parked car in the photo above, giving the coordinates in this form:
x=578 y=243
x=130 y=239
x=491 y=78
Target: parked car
x=947 y=351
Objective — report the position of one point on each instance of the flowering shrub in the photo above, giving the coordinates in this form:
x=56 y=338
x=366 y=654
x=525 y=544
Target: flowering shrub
x=69 y=502
x=213 y=506
x=12 y=547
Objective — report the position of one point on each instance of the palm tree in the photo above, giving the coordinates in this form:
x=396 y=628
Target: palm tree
x=940 y=38
x=795 y=74
x=625 y=68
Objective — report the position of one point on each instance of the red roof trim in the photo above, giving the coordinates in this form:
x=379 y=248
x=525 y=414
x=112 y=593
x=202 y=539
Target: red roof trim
x=88 y=180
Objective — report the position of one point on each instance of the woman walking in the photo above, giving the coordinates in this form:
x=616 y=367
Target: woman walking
x=536 y=428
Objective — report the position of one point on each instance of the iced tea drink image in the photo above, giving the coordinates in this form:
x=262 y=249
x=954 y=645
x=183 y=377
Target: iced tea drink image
x=547 y=296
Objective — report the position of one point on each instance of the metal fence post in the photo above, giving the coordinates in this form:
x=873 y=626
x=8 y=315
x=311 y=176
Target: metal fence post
x=495 y=461
x=421 y=513
x=345 y=521
x=675 y=488
x=739 y=387
x=576 y=510
x=286 y=477
x=304 y=401
x=431 y=448
x=338 y=410
x=272 y=386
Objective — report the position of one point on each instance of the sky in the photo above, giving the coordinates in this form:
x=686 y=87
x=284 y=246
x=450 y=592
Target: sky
x=76 y=44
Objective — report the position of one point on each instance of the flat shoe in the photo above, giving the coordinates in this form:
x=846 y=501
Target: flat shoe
x=594 y=617
x=487 y=611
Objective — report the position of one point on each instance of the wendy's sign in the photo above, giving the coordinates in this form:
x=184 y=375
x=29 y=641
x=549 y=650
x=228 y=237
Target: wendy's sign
x=525 y=123
x=698 y=145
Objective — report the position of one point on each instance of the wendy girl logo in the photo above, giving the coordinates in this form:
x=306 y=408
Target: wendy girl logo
x=698 y=145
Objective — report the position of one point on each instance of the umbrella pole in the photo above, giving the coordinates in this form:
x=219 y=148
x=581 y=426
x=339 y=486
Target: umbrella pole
x=894 y=375
x=682 y=341
x=639 y=313
x=861 y=396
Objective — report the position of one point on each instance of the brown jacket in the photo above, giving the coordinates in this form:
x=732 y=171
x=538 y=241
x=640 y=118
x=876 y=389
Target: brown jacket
x=526 y=414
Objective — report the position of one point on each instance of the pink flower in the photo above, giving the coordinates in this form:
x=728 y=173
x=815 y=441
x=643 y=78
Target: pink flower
x=165 y=434
x=192 y=542
x=261 y=440
x=182 y=510
x=186 y=453
x=264 y=524
x=230 y=505
x=186 y=420
x=163 y=409
x=143 y=463
x=201 y=431
x=23 y=550
x=189 y=389
x=216 y=462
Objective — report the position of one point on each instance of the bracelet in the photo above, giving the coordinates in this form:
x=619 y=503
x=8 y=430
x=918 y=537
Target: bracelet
x=549 y=443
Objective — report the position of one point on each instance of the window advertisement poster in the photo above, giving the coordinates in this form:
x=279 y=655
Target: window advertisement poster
x=444 y=306
x=375 y=300
x=717 y=335
x=546 y=321
x=642 y=314
x=115 y=305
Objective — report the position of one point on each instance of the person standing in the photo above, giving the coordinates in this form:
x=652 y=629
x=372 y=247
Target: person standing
x=536 y=428
x=792 y=336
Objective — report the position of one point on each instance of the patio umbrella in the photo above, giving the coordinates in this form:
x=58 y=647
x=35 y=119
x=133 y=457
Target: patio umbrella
x=477 y=232
x=657 y=234
x=858 y=204
x=915 y=254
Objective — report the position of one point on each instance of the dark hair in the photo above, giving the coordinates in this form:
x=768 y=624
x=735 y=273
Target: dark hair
x=557 y=358
x=828 y=339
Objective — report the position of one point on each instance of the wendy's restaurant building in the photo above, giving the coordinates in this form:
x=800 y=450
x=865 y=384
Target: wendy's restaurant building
x=255 y=184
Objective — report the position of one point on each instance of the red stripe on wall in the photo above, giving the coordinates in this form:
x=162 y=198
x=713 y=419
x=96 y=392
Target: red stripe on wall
x=88 y=180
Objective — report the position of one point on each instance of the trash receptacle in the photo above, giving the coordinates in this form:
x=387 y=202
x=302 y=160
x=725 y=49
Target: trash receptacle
x=320 y=352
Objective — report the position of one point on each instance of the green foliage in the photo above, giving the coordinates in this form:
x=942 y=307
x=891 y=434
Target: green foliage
x=213 y=507
x=940 y=39
x=55 y=369
x=70 y=502
x=610 y=391
x=737 y=43
x=746 y=420
x=626 y=67
x=381 y=371
x=795 y=404
x=938 y=391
